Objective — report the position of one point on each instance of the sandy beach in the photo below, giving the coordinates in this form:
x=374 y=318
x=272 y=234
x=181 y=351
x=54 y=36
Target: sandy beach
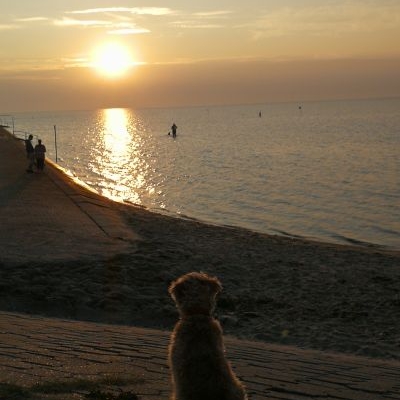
x=276 y=289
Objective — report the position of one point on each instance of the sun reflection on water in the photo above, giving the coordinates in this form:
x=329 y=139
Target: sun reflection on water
x=121 y=162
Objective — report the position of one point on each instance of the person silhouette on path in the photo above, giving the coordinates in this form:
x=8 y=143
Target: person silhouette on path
x=30 y=153
x=40 y=150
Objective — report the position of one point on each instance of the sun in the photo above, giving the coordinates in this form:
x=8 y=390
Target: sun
x=112 y=60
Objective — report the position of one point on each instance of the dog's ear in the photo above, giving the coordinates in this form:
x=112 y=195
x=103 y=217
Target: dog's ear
x=172 y=288
x=212 y=281
x=176 y=289
x=215 y=285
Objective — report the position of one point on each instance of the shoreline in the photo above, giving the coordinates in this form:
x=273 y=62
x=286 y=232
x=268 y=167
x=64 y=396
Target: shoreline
x=279 y=290
x=344 y=242
x=351 y=243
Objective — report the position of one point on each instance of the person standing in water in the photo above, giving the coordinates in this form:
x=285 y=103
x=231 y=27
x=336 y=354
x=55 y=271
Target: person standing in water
x=173 y=129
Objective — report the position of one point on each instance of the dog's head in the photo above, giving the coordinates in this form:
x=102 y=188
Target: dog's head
x=195 y=293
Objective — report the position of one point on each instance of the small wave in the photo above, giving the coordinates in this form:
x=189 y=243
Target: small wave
x=284 y=233
x=358 y=242
x=388 y=231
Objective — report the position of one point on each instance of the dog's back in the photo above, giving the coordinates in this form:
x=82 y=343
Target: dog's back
x=196 y=354
x=199 y=368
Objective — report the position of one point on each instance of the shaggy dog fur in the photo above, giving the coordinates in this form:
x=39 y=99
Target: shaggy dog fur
x=196 y=352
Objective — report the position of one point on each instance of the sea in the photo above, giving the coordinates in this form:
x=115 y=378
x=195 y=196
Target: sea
x=326 y=171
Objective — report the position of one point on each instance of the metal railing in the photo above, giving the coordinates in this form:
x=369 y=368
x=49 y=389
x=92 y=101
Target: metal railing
x=24 y=135
x=6 y=120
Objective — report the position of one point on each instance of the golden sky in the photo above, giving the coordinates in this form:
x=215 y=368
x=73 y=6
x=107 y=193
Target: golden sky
x=81 y=54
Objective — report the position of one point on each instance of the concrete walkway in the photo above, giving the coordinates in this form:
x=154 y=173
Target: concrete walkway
x=36 y=350
x=46 y=217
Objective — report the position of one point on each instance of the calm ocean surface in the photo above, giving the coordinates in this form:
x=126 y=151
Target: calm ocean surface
x=328 y=171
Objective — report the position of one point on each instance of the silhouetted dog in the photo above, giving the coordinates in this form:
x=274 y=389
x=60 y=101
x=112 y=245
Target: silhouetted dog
x=196 y=352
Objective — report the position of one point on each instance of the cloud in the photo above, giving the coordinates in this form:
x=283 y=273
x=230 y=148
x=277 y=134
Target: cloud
x=133 y=10
x=113 y=28
x=126 y=28
x=8 y=27
x=32 y=64
x=78 y=22
x=128 y=31
x=202 y=20
x=32 y=19
x=110 y=18
x=194 y=24
x=111 y=21
x=213 y=13
x=329 y=20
